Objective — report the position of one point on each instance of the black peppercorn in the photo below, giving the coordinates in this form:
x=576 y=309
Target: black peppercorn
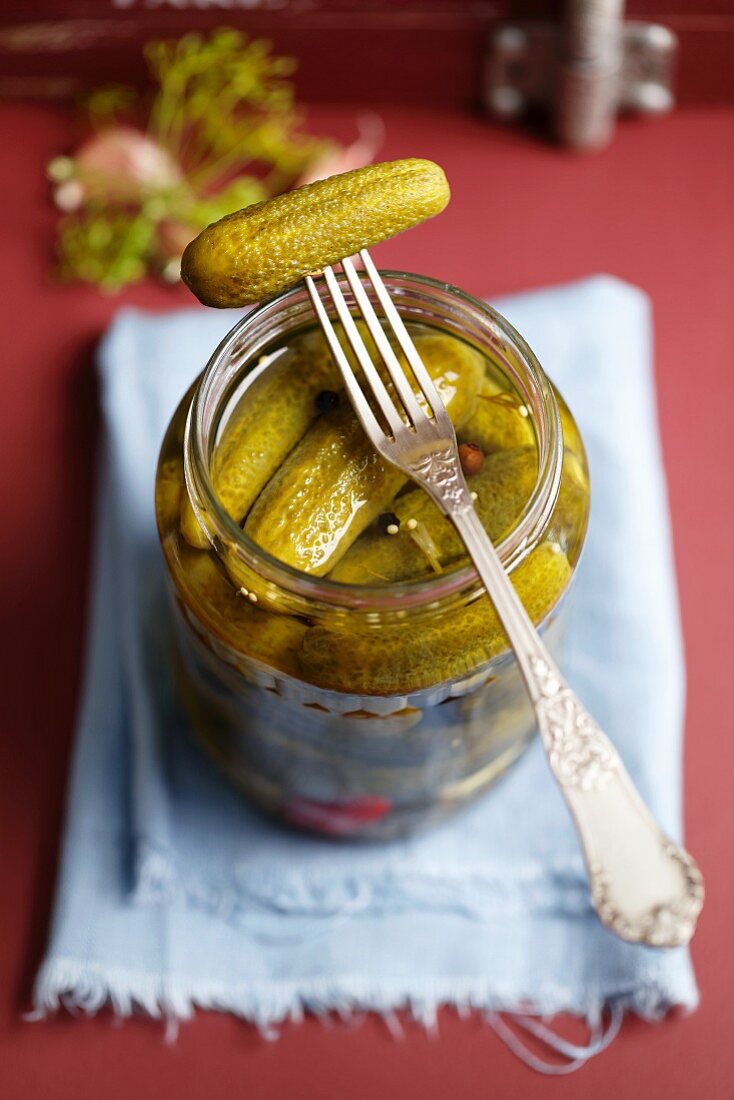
x=326 y=400
x=389 y=523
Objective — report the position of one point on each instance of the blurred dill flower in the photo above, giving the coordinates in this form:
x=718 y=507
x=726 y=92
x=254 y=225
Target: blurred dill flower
x=221 y=131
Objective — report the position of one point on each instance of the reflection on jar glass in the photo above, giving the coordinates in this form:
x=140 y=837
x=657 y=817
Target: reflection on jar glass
x=374 y=693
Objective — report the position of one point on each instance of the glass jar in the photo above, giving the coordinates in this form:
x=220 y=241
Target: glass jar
x=359 y=711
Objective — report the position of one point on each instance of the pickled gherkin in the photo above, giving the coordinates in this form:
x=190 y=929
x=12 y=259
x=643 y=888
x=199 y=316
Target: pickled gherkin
x=503 y=487
x=500 y=420
x=402 y=659
x=265 y=248
x=333 y=484
x=232 y=618
x=278 y=410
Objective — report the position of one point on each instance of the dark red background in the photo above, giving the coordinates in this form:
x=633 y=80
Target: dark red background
x=427 y=52
x=655 y=209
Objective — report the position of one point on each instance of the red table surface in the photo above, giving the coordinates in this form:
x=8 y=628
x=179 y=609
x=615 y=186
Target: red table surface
x=656 y=209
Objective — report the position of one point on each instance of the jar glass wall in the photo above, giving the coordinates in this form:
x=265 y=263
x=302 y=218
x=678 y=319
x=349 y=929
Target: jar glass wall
x=364 y=710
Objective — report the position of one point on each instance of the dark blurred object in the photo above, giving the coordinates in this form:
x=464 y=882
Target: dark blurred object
x=423 y=52
x=582 y=72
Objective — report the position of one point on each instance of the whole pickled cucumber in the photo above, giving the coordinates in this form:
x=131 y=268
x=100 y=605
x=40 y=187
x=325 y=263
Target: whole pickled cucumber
x=275 y=639
x=270 y=246
x=277 y=410
x=400 y=659
x=503 y=486
x=333 y=484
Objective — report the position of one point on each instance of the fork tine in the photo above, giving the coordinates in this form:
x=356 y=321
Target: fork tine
x=372 y=377
x=361 y=405
x=390 y=359
x=422 y=376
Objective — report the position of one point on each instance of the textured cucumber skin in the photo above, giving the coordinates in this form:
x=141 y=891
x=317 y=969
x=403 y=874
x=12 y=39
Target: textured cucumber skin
x=502 y=486
x=232 y=618
x=270 y=246
x=277 y=411
x=396 y=659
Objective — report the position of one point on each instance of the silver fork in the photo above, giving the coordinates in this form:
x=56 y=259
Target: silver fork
x=644 y=887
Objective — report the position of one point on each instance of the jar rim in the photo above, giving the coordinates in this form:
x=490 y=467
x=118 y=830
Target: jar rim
x=293 y=305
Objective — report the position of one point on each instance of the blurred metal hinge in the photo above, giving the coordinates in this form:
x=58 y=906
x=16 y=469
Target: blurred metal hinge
x=586 y=70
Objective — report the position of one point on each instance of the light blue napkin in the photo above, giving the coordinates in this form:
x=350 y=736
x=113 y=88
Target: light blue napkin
x=173 y=894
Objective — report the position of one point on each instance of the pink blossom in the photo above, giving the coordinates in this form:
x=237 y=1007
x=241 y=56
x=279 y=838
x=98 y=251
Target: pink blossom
x=124 y=165
x=69 y=196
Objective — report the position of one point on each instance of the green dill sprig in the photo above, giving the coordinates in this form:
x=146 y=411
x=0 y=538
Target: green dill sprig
x=221 y=131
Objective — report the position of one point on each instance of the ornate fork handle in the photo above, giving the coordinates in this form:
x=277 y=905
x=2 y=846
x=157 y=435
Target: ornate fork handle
x=643 y=886
x=646 y=888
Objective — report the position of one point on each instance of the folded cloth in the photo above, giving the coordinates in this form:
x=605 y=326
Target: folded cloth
x=173 y=893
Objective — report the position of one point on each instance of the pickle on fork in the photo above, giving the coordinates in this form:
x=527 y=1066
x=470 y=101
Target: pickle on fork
x=270 y=246
x=334 y=483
